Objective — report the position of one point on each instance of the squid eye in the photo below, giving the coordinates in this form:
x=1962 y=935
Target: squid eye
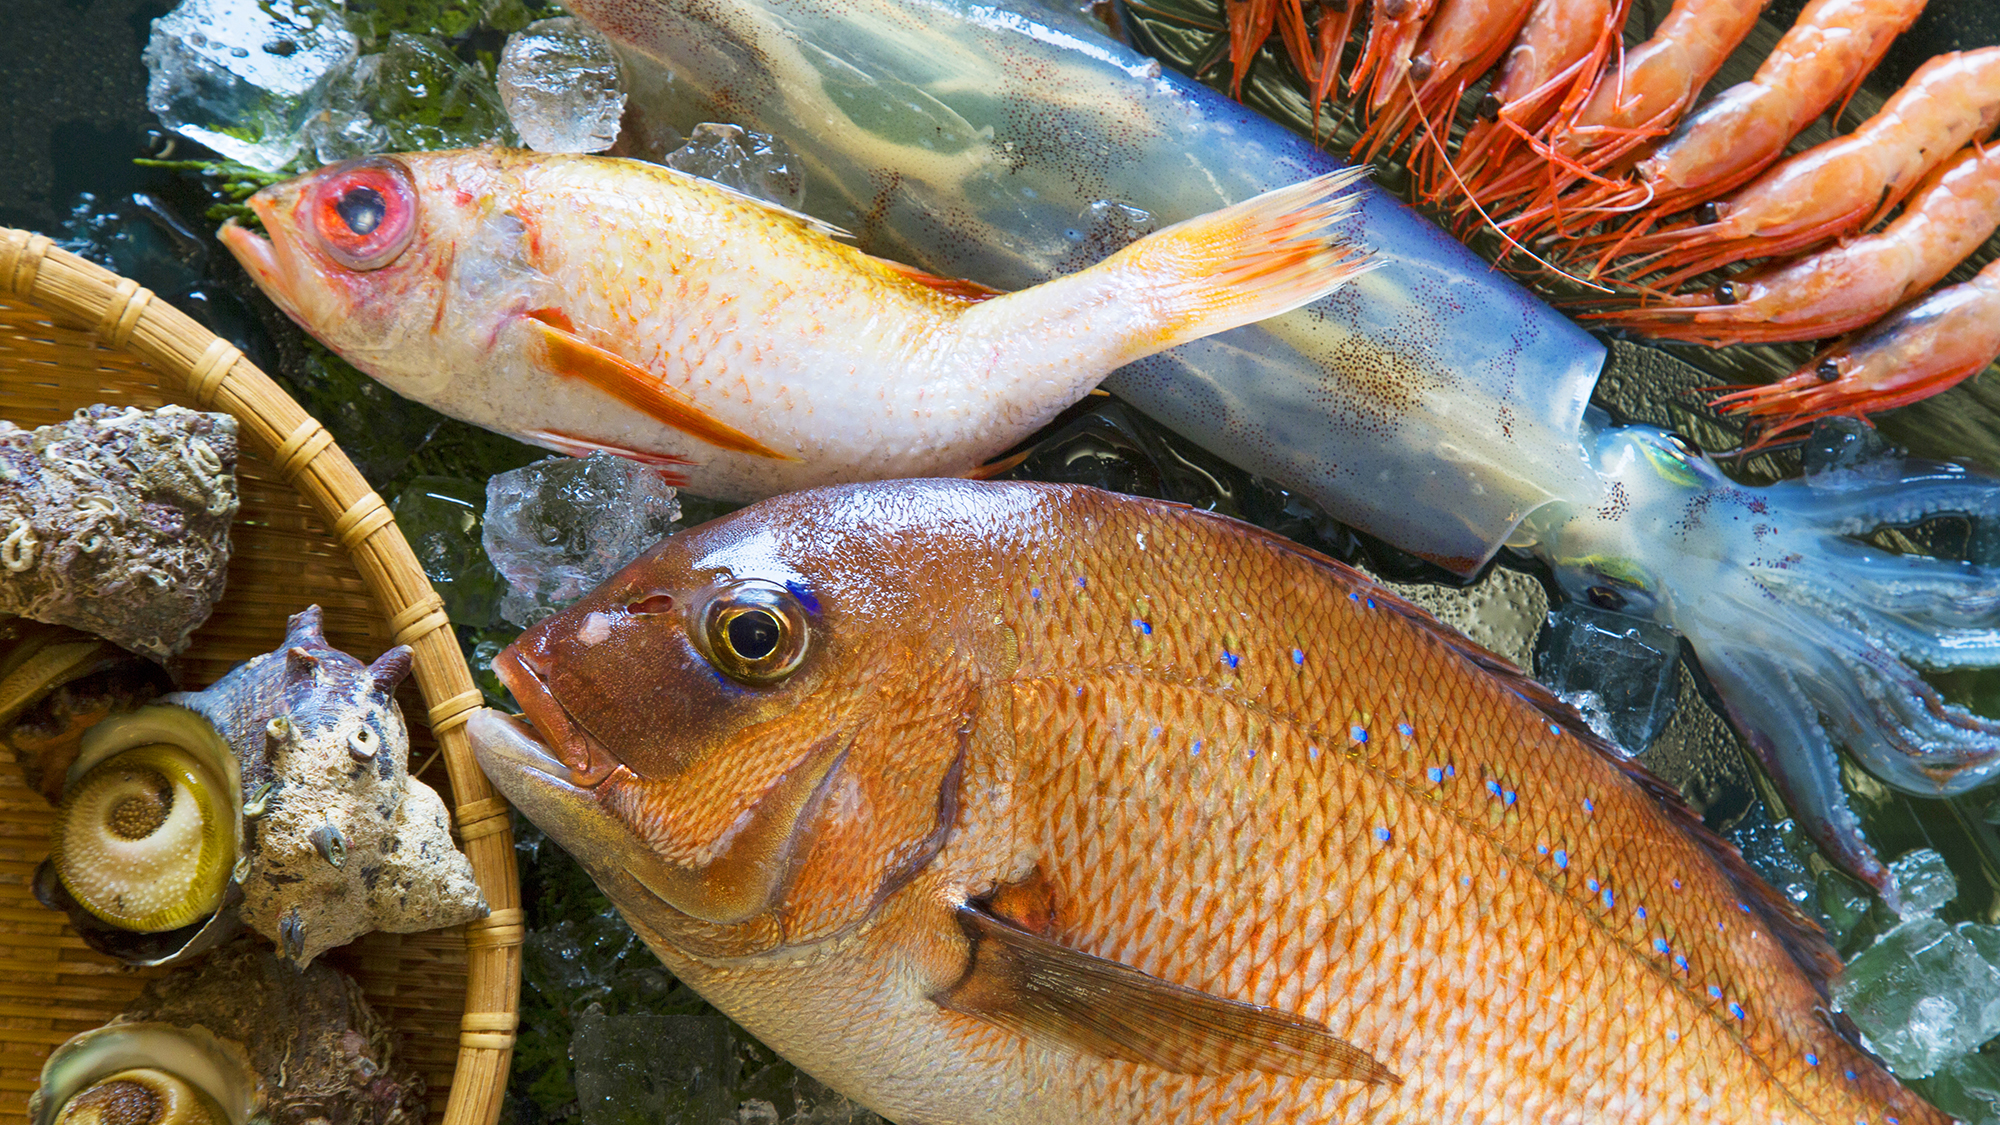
x=364 y=212
x=755 y=632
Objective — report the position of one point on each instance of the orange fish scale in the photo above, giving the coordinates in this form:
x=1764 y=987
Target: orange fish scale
x=1251 y=775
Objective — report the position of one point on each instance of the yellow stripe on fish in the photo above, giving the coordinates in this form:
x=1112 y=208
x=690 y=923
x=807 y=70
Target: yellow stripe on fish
x=594 y=303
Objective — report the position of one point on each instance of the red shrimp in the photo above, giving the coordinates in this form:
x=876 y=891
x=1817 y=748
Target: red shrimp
x=1250 y=24
x=1828 y=51
x=1462 y=42
x=1950 y=214
x=1393 y=29
x=1633 y=102
x=1920 y=350
x=1549 y=71
x=1844 y=185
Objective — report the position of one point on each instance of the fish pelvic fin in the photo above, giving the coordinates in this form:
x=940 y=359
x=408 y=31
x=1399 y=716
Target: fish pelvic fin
x=1052 y=993
x=559 y=350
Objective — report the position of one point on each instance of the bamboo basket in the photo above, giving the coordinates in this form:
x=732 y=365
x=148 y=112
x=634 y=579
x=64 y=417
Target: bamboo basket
x=310 y=530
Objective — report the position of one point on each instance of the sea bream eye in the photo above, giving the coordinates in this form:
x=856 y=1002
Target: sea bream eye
x=364 y=212
x=754 y=632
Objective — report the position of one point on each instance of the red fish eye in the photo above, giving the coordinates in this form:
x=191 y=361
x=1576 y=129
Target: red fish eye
x=364 y=212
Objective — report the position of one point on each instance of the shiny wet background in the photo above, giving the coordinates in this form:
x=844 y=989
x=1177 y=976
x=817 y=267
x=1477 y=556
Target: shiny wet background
x=608 y=1037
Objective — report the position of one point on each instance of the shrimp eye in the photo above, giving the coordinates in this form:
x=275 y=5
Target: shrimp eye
x=754 y=632
x=364 y=212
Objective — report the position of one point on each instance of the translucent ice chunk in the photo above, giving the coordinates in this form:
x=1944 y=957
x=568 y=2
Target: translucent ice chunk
x=641 y=1068
x=1922 y=996
x=756 y=164
x=1924 y=883
x=440 y=516
x=242 y=76
x=560 y=526
x=413 y=95
x=1625 y=665
x=560 y=84
x=1967 y=1088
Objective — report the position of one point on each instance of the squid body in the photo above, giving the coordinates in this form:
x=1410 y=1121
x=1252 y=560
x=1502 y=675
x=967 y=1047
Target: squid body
x=1432 y=403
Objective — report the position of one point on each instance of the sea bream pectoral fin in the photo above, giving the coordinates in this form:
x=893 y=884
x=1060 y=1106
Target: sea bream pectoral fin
x=1055 y=994
x=562 y=352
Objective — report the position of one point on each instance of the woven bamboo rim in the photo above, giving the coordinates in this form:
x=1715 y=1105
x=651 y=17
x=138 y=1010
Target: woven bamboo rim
x=287 y=455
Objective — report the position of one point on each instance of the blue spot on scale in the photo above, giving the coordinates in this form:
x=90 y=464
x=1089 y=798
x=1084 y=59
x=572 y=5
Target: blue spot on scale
x=1642 y=914
x=1714 y=993
x=1745 y=909
x=1358 y=734
x=1312 y=751
x=1850 y=1076
x=1382 y=834
x=1231 y=659
x=1157 y=731
x=1812 y=1059
x=1673 y=1036
x=1196 y=748
x=1736 y=1009
x=1450 y=770
x=1661 y=947
x=1587 y=806
x=1435 y=774
x=1677 y=884
x=1541 y=849
x=1681 y=962
x=1145 y=627
x=1081 y=582
x=1405 y=729
x=1507 y=797
x=1590 y=885
x=1354 y=597
x=1298 y=656
x=1370 y=603
x=1465 y=880
x=1036 y=593
x=1554 y=729
x=1562 y=859
x=1606 y=899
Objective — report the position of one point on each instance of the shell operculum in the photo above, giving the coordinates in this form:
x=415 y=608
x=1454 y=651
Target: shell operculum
x=146 y=840
x=142 y=1096
x=147 y=1074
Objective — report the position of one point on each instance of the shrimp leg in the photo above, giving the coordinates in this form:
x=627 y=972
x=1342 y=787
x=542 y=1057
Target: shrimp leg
x=1828 y=51
x=1549 y=71
x=1807 y=635
x=1393 y=29
x=1955 y=209
x=1924 y=348
x=1844 y=185
x=1463 y=41
x=1631 y=103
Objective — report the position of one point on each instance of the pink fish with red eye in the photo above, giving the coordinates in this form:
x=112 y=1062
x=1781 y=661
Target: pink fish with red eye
x=584 y=303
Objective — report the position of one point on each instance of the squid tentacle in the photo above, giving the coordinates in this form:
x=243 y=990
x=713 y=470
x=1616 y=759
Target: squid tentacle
x=1810 y=637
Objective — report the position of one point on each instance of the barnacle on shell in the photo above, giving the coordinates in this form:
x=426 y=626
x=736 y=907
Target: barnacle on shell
x=117 y=522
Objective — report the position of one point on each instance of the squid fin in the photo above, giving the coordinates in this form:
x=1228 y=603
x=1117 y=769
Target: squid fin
x=1036 y=987
x=565 y=353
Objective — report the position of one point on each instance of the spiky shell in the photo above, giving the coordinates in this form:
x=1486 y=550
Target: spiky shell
x=340 y=840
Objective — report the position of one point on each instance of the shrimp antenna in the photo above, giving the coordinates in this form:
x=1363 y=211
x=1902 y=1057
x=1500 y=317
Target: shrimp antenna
x=1431 y=136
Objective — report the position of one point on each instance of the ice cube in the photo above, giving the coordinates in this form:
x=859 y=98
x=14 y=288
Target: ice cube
x=1625 y=663
x=440 y=516
x=242 y=76
x=1923 y=883
x=1922 y=996
x=1776 y=852
x=1845 y=453
x=1968 y=1088
x=642 y=1068
x=756 y=164
x=412 y=96
x=560 y=84
x=560 y=526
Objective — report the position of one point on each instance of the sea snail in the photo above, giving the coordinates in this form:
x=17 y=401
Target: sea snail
x=147 y=1073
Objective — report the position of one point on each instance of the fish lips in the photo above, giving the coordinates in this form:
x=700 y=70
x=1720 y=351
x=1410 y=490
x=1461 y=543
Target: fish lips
x=587 y=761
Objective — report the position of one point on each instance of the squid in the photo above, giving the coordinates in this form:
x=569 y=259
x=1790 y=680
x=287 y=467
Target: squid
x=1432 y=403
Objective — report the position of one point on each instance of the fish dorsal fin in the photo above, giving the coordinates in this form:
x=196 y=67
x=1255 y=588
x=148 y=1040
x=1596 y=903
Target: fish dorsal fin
x=817 y=226
x=563 y=352
x=1054 y=994
x=964 y=290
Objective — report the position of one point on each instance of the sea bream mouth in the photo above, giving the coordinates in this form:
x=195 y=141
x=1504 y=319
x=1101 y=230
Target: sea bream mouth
x=586 y=761
x=259 y=255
